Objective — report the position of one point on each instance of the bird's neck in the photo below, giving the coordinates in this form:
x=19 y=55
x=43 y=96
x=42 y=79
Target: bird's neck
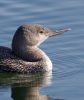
x=33 y=54
x=30 y=53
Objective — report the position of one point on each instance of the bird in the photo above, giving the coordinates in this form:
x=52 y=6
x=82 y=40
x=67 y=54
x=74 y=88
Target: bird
x=25 y=56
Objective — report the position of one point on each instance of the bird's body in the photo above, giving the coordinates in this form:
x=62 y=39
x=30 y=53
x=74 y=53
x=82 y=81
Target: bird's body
x=25 y=56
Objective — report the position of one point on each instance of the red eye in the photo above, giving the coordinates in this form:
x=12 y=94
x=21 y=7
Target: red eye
x=41 y=32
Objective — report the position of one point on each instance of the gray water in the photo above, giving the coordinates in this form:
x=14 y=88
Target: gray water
x=66 y=51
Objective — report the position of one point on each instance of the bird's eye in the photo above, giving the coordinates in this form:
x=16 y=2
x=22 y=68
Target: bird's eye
x=41 y=32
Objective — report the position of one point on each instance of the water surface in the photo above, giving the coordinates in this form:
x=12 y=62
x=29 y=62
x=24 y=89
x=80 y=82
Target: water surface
x=66 y=50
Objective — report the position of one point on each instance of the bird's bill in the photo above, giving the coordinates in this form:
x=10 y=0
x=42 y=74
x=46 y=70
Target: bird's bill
x=57 y=32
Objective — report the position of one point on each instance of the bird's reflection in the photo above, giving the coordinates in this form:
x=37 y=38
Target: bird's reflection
x=26 y=86
x=29 y=88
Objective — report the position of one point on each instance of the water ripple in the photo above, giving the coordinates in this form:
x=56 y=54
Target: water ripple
x=66 y=51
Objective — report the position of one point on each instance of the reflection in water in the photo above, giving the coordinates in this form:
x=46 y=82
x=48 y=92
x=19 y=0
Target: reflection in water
x=25 y=93
x=29 y=89
x=26 y=86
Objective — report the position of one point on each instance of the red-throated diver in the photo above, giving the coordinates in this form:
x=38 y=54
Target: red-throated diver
x=25 y=55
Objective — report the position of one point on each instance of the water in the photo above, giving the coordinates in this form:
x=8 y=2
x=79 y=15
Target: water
x=66 y=50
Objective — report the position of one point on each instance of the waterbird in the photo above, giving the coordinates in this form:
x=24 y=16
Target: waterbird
x=24 y=55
